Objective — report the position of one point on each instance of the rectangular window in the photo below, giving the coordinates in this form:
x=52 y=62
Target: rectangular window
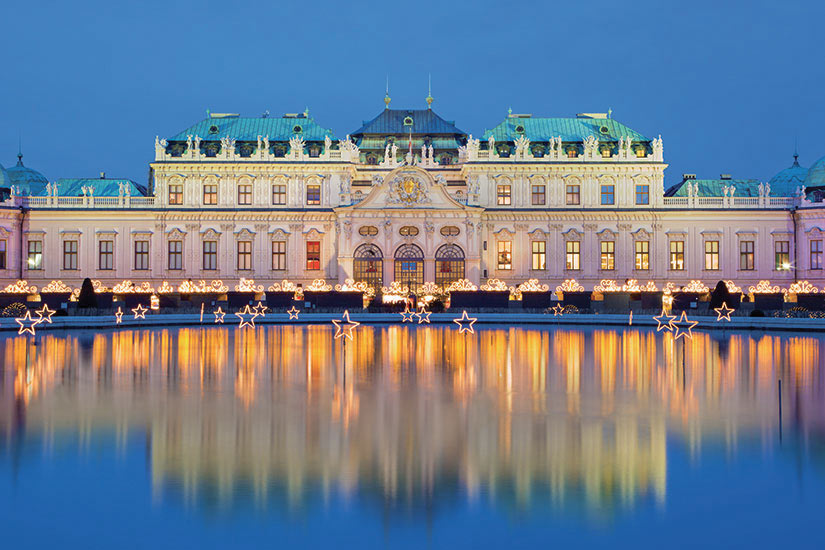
x=782 y=255
x=244 y=255
x=34 y=258
x=712 y=255
x=642 y=255
x=505 y=254
x=677 y=255
x=608 y=255
x=2 y=254
x=538 y=194
x=313 y=255
x=642 y=194
x=746 y=255
x=572 y=251
x=69 y=254
x=313 y=194
x=278 y=194
x=816 y=254
x=245 y=194
x=141 y=255
x=503 y=196
x=175 y=255
x=539 y=255
x=210 y=255
x=105 y=255
x=210 y=194
x=608 y=194
x=175 y=194
x=278 y=255
x=573 y=195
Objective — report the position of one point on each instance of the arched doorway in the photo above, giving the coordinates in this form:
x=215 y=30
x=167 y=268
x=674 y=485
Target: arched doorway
x=449 y=264
x=368 y=265
x=409 y=266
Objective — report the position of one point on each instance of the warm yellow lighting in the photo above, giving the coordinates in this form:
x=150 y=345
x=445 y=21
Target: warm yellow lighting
x=465 y=323
x=219 y=315
x=140 y=312
x=765 y=287
x=247 y=317
x=27 y=323
x=344 y=327
x=248 y=285
x=802 y=287
x=44 y=314
x=570 y=285
x=55 y=287
x=723 y=312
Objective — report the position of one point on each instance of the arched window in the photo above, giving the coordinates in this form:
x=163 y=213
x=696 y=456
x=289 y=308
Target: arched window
x=409 y=266
x=368 y=231
x=450 y=231
x=368 y=265
x=449 y=264
x=408 y=231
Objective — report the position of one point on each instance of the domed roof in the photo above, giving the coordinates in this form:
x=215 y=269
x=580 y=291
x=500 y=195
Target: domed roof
x=4 y=177
x=784 y=183
x=30 y=182
x=816 y=174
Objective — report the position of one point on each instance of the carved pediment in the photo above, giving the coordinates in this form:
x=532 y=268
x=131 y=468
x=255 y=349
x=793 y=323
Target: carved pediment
x=606 y=234
x=537 y=234
x=814 y=230
x=278 y=234
x=408 y=187
x=641 y=234
x=244 y=233
x=210 y=233
x=313 y=233
x=175 y=234
x=4 y=233
x=572 y=234
x=504 y=233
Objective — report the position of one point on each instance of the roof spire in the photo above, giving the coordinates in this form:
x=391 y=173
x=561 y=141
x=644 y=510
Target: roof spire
x=19 y=150
x=796 y=152
x=387 y=95
x=429 y=91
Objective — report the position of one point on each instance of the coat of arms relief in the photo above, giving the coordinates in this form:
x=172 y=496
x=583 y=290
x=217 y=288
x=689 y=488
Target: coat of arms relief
x=407 y=189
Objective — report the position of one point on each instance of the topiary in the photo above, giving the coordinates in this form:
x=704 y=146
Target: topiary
x=719 y=296
x=87 y=297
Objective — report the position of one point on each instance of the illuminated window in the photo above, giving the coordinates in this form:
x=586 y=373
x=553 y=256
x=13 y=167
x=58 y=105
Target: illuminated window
x=503 y=194
x=368 y=265
x=244 y=194
x=608 y=194
x=816 y=254
x=210 y=194
x=175 y=193
x=608 y=255
x=2 y=254
x=677 y=255
x=409 y=266
x=278 y=255
x=746 y=255
x=175 y=255
x=368 y=231
x=69 y=254
x=539 y=254
x=210 y=255
x=313 y=255
x=449 y=264
x=105 y=255
x=782 y=255
x=450 y=231
x=408 y=231
x=244 y=255
x=505 y=254
x=642 y=255
x=141 y=255
x=278 y=194
x=712 y=255
x=572 y=255
x=573 y=195
x=642 y=194
x=34 y=258
x=538 y=194
x=313 y=194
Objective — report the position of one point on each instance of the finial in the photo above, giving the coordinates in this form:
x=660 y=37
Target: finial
x=429 y=91
x=609 y=112
x=387 y=94
x=306 y=112
x=795 y=152
x=19 y=150
x=509 y=111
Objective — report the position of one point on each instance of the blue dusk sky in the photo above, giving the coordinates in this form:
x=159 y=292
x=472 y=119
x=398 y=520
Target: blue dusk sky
x=730 y=85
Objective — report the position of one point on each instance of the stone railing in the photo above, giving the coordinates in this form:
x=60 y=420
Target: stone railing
x=732 y=202
x=124 y=201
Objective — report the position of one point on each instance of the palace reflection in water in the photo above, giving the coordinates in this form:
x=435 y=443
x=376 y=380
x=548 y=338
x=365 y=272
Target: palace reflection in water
x=412 y=415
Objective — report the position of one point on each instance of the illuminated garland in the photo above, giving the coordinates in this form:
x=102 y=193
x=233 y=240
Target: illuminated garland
x=165 y=288
x=248 y=285
x=128 y=287
x=318 y=285
x=430 y=289
x=351 y=286
x=394 y=293
x=283 y=286
x=695 y=286
x=202 y=287
x=494 y=285
x=607 y=285
x=463 y=285
x=765 y=287
x=20 y=287
x=55 y=287
x=570 y=285
x=532 y=285
x=802 y=287
x=732 y=287
x=632 y=285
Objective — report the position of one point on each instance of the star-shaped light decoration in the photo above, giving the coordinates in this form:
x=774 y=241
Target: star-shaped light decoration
x=260 y=309
x=118 y=316
x=140 y=312
x=465 y=323
x=27 y=323
x=683 y=327
x=219 y=315
x=423 y=316
x=293 y=312
x=247 y=317
x=344 y=327
x=407 y=315
x=558 y=309
x=44 y=314
x=664 y=321
x=723 y=312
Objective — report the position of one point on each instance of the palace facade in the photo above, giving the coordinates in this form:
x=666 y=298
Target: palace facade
x=409 y=197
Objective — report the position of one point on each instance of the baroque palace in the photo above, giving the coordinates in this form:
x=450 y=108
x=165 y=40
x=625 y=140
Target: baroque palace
x=409 y=197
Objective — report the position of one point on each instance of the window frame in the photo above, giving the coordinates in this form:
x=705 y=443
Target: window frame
x=209 y=250
x=34 y=249
x=712 y=255
x=538 y=255
x=747 y=255
x=607 y=255
x=175 y=194
x=107 y=255
x=279 y=192
x=641 y=257
x=174 y=254
x=782 y=257
x=504 y=194
x=573 y=190
x=676 y=249
x=210 y=194
x=278 y=253
x=244 y=194
x=504 y=251
x=70 y=254
x=642 y=190
x=572 y=255
x=141 y=256
x=313 y=194
x=243 y=255
x=538 y=191
x=607 y=190
x=815 y=254
x=313 y=255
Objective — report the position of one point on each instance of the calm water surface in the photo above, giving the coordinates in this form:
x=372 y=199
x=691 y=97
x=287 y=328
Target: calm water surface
x=411 y=438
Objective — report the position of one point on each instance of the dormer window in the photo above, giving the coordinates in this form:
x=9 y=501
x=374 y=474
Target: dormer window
x=604 y=130
x=297 y=129
x=408 y=121
x=519 y=129
x=213 y=129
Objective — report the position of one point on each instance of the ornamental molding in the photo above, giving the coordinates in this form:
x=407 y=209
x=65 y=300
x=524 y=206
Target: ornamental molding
x=606 y=234
x=640 y=234
x=313 y=233
x=408 y=189
x=175 y=234
x=278 y=234
x=99 y=232
x=210 y=234
x=142 y=232
x=572 y=234
x=781 y=232
x=537 y=234
x=746 y=233
x=712 y=233
x=4 y=232
x=504 y=232
x=244 y=233
x=815 y=230
x=676 y=232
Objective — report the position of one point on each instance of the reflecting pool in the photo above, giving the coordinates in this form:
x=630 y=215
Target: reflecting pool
x=411 y=437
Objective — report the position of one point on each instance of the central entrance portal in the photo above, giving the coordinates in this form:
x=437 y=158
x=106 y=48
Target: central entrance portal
x=409 y=266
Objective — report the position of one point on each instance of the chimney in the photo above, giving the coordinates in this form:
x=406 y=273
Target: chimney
x=724 y=176
x=103 y=175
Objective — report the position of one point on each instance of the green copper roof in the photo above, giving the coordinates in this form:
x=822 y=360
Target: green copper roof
x=104 y=187
x=816 y=174
x=784 y=183
x=248 y=129
x=373 y=143
x=4 y=178
x=30 y=182
x=714 y=188
x=570 y=129
x=420 y=121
